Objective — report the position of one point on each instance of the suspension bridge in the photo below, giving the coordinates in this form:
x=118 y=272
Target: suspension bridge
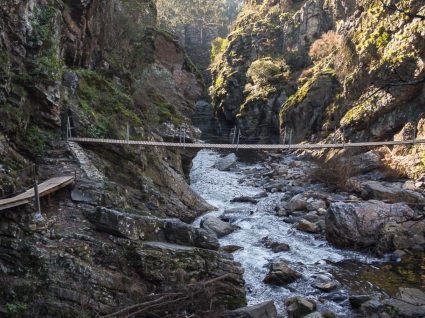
x=181 y=135
x=200 y=145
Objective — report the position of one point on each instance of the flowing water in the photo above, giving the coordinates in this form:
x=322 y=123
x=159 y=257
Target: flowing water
x=308 y=255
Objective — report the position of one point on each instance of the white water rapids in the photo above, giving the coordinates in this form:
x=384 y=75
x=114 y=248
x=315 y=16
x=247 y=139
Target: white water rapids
x=307 y=255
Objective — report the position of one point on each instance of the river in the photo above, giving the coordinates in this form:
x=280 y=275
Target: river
x=308 y=254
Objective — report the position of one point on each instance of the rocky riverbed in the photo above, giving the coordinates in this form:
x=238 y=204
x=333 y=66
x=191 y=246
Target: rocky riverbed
x=278 y=220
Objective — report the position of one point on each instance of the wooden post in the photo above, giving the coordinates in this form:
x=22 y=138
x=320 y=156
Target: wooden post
x=343 y=138
x=36 y=193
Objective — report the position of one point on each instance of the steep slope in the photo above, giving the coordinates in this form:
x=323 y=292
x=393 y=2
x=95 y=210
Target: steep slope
x=367 y=78
x=103 y=65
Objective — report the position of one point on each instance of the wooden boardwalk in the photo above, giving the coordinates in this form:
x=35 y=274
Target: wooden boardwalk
x=45 y=188
x=303 y=146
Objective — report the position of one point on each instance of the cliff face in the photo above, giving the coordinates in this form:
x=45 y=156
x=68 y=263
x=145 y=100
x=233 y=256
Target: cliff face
x=367 y=78
x=103 y=64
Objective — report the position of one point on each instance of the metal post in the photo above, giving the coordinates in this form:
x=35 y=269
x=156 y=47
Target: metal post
x=184 y=137
x=239 y=136
x=127 y=136
x=335 y=136
x=343 y=138
x=68 y=128
x=180 y=134
x=414 y=135
x=234 y=135
x=290 y=138
x=284 y=136
x=36 y=193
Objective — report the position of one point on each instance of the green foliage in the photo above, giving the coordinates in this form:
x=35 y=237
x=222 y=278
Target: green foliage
x=219 y=81
x=34 y=139
x=105 y=106
x=175 y=14
x=15 y=309
x=48 y=66
x=302 y=92
x=265 y=71
x=42 y=24
x=218 y=46
x=14 y=119
x=167 y=113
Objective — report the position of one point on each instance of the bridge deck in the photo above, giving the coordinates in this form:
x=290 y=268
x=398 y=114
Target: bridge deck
x=245 y=146
x=45 y=188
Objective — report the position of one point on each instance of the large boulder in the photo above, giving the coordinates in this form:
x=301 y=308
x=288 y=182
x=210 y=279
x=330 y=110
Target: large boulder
x=226 y=163
x=159 y=262
x=391 y=192
x=325 y=283
x=217 y=226
x=307 y=226
x=409 y=302
x=281 y=274
x=297 y=203
x=366 y=162
x=263 y=310
x=360 y=224
x=298 y=307
x=276 y=247
x=144 y=228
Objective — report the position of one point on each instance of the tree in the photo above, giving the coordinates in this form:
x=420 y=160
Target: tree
x=176 y=14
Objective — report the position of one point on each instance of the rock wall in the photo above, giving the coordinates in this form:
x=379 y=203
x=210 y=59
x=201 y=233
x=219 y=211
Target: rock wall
x=368 y=88
x=103 y=64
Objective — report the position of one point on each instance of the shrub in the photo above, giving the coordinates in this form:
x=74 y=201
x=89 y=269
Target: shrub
x=218 y=46
x=266 y=70
x=15 y=309
x=329 y=42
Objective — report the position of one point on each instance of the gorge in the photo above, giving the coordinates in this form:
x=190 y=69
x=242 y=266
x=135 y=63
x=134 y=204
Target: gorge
x=176 y=232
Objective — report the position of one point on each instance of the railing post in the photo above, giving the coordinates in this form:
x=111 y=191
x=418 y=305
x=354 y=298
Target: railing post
x=284 y=136
x=36 y=193
x=234 y=135
x=343 y=138
x=184 y=137
x=290 y=138
x=239 y=135
x=127 y=136
x=414 y=135
x=335 y=136
x=68 y=128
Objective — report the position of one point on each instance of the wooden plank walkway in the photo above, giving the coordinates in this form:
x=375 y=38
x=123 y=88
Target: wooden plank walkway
x=45 y=188
x=246 y=146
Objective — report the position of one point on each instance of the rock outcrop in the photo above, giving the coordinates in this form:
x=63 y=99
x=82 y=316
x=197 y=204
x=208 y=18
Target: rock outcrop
x=104 y=65
x=330 y=70
x=370 y=224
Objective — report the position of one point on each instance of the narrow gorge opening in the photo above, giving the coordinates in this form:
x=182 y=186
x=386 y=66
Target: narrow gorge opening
x=132 y=183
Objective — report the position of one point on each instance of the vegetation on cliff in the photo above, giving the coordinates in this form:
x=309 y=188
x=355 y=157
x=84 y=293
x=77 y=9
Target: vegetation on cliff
x=373 y=50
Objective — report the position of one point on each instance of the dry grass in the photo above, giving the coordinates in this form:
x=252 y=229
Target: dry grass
x=329 y=42
x=336 y=174
x=197 y=300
